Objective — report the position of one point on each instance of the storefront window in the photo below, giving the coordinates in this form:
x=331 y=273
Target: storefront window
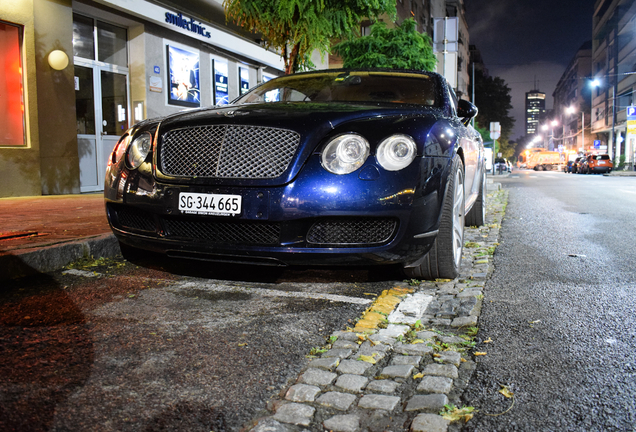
x=111 y=44
x=83 y=40
x=11 y=92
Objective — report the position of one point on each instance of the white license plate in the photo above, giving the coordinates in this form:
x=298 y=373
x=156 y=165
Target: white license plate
x=601 y=163
x=210 y=204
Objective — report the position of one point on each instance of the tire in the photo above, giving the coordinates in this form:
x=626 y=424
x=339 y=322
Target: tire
x=477 y=215
x=444 y=259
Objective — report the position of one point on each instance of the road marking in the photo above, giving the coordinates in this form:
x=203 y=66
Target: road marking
x=265 y=292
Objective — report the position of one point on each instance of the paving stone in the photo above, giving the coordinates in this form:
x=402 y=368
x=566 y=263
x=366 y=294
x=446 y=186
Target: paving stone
x=373 y=401
x=406 y=360
x=451 y=339
x=317 y=377
x=449 y=308
x=270 y=425
x=329 y=363
x=469 y=321
x=340 y=353
x=431 y=403
x=352 y=383
x=413 y=349
x=295 y=413
x=350 y=336
x=435 y=384
x=368 y=346
x=410 y=309
x=451 y=357
x=355 y=367
x=343 y=423
x=337 y=400
x=394 y=330
x=426 y=335
x=441 y=322
x=429 y=423
x=302 y=393
x=399 y=371
x=345 y=344
x=470 y=292
x=383 y=386
x=387 y=340
x=445 y=370
x=467 y=306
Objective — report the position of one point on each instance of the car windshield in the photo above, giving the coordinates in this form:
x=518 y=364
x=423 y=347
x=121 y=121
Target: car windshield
x=602 y=157
x=358 y=86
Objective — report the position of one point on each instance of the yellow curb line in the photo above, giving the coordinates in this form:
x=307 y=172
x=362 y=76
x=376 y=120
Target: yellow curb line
x=381 y=308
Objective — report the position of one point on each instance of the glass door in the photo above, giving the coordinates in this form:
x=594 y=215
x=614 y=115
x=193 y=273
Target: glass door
x=101 y=95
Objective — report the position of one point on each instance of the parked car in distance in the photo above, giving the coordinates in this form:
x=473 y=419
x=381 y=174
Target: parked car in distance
x=334 y=167
x=577 y=164
x=597 y=164
x=501 y=166
x=582 y=166
x=567 y=168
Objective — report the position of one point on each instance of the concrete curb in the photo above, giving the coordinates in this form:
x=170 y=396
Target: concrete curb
x=21 y=263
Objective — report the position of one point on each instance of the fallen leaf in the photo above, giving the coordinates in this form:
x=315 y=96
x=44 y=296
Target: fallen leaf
x=242 y=344
x=506 y=392
x=488 y=340
x=463 y=360
x=417 y=341
x=479 y=353
x=368 y=359
x=419 y=375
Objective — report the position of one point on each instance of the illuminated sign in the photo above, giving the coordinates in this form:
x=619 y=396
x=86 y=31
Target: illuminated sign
x=244 y=77
x=188 y=24
x=183 y=75
x=220 y=82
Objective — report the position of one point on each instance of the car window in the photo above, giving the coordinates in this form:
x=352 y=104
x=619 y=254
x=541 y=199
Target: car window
x=602 y=157
x=384 y=87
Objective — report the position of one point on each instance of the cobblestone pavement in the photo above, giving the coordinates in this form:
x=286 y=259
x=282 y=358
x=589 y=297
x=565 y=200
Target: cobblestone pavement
x=408 y=356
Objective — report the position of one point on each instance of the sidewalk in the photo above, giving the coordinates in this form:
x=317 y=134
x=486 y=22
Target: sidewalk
x=45 y=233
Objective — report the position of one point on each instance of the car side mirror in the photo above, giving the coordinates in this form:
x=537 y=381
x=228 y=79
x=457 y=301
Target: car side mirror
x=466 y=111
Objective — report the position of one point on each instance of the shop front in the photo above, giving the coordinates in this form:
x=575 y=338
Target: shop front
x=125 y=62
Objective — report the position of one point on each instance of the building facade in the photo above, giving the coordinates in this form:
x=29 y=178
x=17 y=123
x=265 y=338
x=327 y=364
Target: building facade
x=572 y=98
x=81 y=72
x=535 y=110
x=614 y=74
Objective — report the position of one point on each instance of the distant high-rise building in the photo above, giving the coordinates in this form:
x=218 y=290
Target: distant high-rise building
x=535 y=108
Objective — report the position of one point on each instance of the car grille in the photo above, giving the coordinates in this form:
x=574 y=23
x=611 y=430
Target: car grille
x=235 y=233
x=227 y=151
x=134 y=219
x=352 y=231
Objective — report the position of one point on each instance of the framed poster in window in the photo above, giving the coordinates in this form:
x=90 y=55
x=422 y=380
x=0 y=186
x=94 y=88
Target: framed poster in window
x=183 y=76
x=221 y=95
x=244 y=79
x=11 y=86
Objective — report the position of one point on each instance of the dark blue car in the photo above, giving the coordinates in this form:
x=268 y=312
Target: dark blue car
x=335 y=167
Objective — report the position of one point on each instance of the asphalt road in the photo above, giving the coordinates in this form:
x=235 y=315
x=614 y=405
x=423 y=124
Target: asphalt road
x=121 y=347
x=558 y=324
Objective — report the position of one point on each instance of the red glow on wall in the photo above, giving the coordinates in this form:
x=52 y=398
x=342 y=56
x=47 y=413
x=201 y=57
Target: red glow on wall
x=11 y=92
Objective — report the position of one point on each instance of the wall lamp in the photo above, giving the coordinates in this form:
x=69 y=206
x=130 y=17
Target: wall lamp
x=58 y=60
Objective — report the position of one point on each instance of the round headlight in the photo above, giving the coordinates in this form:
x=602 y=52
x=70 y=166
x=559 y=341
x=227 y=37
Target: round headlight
x=396 y=152
x=345 y=154
x=139 y=149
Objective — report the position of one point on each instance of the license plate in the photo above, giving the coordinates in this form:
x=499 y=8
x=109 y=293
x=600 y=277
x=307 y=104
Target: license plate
x=601 y=163
x=210 y=204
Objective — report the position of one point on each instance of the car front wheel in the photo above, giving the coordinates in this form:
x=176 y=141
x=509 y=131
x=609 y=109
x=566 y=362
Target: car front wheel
x=444 y=258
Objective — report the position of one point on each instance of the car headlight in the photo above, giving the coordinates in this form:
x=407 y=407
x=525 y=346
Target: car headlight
x=396 y=152
x=345 y=154
x=139 y=149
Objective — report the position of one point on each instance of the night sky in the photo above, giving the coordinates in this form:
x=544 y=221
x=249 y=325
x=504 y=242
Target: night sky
x=521 y=40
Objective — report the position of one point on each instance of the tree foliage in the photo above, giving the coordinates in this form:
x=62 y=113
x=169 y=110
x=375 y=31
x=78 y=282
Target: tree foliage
x=402 y=47
x=295 y=28
x=492 y=97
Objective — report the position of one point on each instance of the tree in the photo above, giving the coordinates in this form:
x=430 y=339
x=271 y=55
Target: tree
x=492 y=97
x=402 y=47
x=295 y=28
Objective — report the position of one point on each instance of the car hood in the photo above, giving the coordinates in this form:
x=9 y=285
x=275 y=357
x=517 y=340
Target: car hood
x=315 y=123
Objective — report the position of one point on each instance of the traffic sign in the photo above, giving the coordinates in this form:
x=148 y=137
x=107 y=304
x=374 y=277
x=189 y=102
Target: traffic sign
x=597 y=144
x=631 y=112
x=495 y=130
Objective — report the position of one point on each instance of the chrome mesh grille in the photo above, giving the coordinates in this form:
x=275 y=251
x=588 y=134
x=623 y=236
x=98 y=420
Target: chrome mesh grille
x=234 y=233
x=227 y=151
x=352 y=232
